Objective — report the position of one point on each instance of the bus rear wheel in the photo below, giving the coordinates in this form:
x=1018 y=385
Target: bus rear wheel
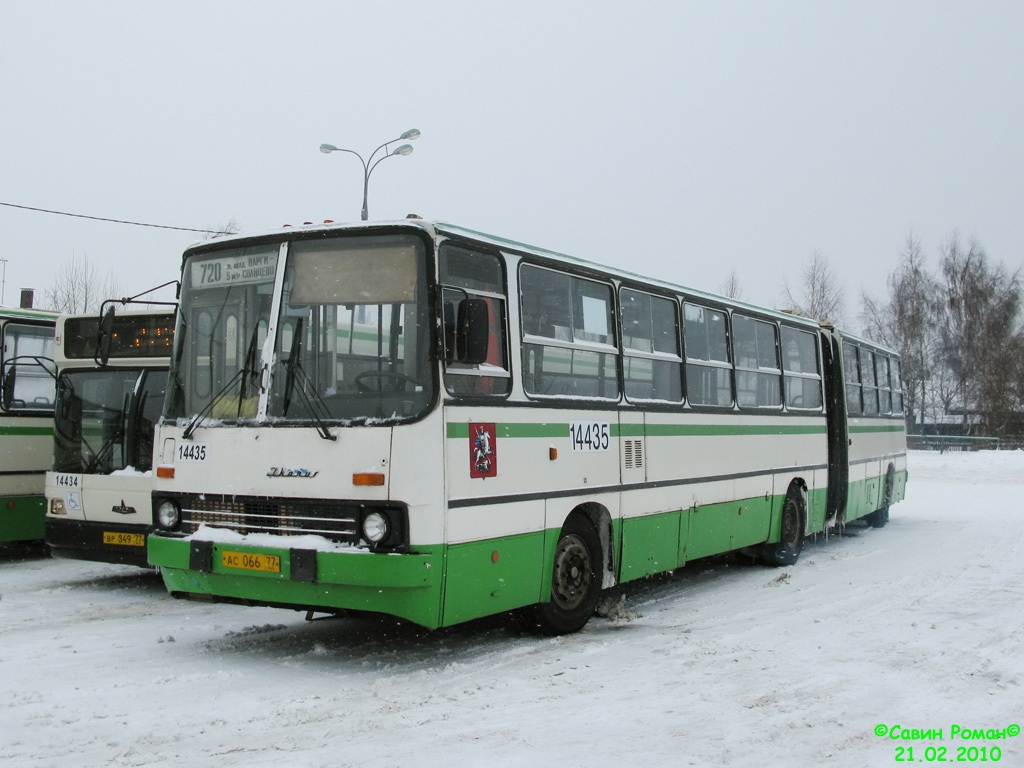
x=575 y=582
x=791 y=539
x=880 y=517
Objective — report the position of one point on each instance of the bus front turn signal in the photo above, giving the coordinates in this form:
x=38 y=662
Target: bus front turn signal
x=368 y=478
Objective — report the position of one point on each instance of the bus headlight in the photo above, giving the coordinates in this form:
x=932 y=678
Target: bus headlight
x=168 y=515
x=375 y=527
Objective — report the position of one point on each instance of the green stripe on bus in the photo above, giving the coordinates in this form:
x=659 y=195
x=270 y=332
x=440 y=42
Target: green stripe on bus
x=880 y=428
x=364 y=335
x=514 y=430
x=719 y=430
x=27 y=431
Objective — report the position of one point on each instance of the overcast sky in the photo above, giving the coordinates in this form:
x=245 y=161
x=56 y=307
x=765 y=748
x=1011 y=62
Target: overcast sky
x=677 y=139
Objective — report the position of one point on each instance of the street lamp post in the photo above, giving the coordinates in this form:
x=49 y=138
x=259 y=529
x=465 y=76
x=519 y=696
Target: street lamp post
x=369 y=164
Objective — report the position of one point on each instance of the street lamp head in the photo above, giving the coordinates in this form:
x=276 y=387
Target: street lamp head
x=369 y=163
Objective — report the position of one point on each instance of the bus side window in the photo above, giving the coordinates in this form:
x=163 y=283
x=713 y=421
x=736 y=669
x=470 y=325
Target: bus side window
x=884 y=392
x=757 y=363
x=470 y=277
x=568 y=335
x=708 y=371
x=650 y=340
x=868 y=381
x=851 y=370
x=897 y=387
x=803 y=375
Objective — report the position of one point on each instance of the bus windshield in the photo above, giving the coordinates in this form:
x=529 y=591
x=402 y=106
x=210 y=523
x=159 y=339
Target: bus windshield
x=350 y=338
x=104 y=419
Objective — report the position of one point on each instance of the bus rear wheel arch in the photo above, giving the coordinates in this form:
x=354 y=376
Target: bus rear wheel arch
x=786 y=551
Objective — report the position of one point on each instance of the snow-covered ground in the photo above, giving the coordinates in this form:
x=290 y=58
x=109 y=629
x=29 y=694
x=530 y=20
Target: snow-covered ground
x=917 y=625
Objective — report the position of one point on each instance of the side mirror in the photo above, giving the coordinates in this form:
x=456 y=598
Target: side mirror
x=472 y=331
x=104 y=337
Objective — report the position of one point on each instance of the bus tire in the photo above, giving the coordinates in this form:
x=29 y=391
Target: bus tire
x=575 y=582
x=880 y=517
x=791 y=536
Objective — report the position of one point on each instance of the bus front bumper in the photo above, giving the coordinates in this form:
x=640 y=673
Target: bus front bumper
x=97 y=541
x=405 y=585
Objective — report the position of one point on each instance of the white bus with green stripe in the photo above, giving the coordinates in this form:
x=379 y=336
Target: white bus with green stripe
x=27 y=374
x=418 y=419
x=112 y=374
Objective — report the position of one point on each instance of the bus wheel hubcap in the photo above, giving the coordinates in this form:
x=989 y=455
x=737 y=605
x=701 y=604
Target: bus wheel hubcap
x=573 y=573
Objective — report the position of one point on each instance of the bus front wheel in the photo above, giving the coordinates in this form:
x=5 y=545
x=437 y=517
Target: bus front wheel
x=575 y=582
x=791 y=540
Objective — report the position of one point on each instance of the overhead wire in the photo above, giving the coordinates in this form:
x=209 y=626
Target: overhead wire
x=116 y=221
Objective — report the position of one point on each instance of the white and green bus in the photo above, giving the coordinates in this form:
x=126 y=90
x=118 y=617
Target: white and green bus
x=111 y=381
x=27 y=374
x=422 y=420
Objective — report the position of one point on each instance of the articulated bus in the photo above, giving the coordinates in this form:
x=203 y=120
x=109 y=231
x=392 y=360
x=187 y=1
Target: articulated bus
x=421 y=420
x=27 y=374
x=110 y=392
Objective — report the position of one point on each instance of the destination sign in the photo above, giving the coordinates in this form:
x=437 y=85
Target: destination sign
x=234 y=270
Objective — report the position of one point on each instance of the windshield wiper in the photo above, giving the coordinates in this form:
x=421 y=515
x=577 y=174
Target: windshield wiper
x=245 y=374
x=315 y=405
x=318 y=410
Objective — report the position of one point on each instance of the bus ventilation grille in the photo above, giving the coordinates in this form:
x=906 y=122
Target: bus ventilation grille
x=634 y=453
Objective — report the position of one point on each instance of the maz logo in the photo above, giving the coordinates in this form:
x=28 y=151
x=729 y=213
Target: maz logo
x=285 y=472
x=122 y=509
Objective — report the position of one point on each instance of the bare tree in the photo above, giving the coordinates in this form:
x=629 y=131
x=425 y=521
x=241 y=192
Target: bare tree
x=79 y=287
x=731 y=286
x=908 y=322
x=959 y=335
x=980 y=332
x=230 y=228
x=820 y=293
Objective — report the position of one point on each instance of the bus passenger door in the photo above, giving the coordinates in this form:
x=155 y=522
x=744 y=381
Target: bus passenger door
x=838 y=433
